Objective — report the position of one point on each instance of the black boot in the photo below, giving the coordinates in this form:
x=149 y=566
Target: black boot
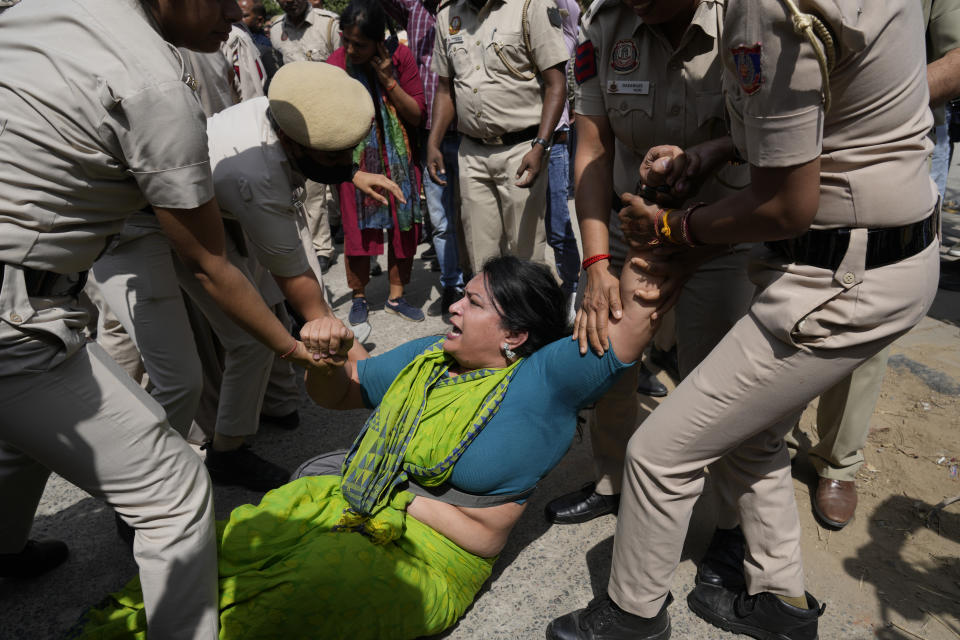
x=722 y=564
x=244 y=468
x=648 y=385
x=604 y=620
x=763 y=616
x=36 y=558
x=581 y=506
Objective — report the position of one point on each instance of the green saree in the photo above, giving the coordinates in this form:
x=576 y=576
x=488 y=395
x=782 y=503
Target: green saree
x=309 y=562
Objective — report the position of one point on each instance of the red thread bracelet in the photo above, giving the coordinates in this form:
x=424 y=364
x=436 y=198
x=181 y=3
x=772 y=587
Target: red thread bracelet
x=594 y=259
x=292 y=349
x=392 y=86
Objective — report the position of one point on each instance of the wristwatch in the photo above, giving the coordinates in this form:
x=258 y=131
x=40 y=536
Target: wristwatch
x=543 y=143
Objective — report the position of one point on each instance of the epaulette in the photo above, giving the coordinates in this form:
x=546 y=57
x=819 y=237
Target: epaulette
x=327 y=14
x=443 y=5
x=599 y=5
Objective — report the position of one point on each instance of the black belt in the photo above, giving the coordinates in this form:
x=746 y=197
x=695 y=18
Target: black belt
x=825 y=248
x=511 y=137
x=44 y=283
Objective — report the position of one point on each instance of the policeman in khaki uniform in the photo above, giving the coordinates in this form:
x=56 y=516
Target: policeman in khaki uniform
x=504 y=61
x=847 y=212
x=306 y=33
x=844 y=412
x=643 y=81
x=81 y=151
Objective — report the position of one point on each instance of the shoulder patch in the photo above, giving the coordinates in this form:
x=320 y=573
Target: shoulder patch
x=747 y=60
x=585 y=64
x=553 y=15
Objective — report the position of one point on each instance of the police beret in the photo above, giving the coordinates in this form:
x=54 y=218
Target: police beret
x=320 y=106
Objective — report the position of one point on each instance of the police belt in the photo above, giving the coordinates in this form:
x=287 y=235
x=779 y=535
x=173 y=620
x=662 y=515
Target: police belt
x=509 y=138
x=47 y=283
x=825 y=248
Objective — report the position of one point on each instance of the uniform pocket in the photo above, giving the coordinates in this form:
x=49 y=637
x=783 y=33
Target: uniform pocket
x=459 y=60
x=630 y=116
x=711 y=114
x=508 y=54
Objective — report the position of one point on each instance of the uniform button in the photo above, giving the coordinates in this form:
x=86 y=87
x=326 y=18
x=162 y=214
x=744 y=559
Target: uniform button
x=478 y=67
x=675 y=110
x=478 y=43
x=15 y=317
x=623 y=105
x=848 y=278
x=474 y=90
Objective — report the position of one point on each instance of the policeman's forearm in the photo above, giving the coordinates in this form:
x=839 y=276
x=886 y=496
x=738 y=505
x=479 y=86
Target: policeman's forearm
x=197 y=237
x=443 y=112
x=943 y=77
x=305 y=293
x=780 y=203
x=554 y=97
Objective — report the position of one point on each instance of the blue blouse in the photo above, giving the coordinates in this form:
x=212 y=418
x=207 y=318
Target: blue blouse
x=537 y=418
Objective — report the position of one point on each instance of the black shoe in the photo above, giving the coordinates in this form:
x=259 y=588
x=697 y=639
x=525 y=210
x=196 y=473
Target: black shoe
x=376 y=270
x=441 y=306
x=244 y=468
x=722 y=564
x=289 y=421
x=429 y=254
x=36 y=558
x=325 y=263
x=581 y=506
x=763 y=616
x=648 y=384
x=666 y=360
x=604 y=620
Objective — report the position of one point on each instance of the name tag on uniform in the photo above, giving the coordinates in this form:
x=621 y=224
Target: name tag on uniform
x=455 y=40
x=634 y=87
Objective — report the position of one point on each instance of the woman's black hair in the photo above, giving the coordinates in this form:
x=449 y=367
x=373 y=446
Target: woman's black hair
x=527 y=298
x=367 y=16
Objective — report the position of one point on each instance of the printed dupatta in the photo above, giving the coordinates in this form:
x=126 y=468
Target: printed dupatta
x=394 y=143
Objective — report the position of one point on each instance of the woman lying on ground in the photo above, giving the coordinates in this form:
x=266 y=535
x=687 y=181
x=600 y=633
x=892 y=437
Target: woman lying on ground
x=463 y=428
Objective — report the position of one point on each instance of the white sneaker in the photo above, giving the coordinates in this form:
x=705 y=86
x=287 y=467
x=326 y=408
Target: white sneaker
x=361 y=331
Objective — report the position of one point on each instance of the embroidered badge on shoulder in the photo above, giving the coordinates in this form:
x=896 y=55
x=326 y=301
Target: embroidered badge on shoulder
x=585 y=64
x=749 y=69
x=625 y=56
x=455 y=24
x=553 y=15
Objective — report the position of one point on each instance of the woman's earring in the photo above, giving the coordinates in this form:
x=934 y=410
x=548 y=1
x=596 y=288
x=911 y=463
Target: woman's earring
x=508 y=352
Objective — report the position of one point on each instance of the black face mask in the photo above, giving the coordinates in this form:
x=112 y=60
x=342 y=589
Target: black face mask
x=317 y=172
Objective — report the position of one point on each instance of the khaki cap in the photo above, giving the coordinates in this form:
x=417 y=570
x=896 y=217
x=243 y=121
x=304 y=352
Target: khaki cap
x=319 y=106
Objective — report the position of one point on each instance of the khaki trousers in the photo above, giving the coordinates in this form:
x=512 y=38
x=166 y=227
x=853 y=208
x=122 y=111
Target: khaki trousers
x=843 y=420
x=319 y=201
x=499 y=218
x=733 y=411
x=89 y=422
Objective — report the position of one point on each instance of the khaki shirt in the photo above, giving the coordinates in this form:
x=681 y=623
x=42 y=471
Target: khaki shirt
x=255 y=185
x=216 y=82
x=315 y=39
x=872 y=143
x=873 y=151
x=653 y=94
x=243 y=55
x=490 y=99
x=88 y=134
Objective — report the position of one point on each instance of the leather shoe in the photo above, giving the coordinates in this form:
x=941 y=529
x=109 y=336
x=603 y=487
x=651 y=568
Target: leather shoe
x=244 y=468
x=666 y=360
x=36 y=558
x=835 y=502
x=648 y=384
x=581 y=506
x=763 y=616
x=722 y=564
x=604 y=620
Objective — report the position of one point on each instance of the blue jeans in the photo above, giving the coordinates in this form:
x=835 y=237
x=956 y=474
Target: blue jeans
x=940 y=162
x=559 y=230
x=442 y=208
